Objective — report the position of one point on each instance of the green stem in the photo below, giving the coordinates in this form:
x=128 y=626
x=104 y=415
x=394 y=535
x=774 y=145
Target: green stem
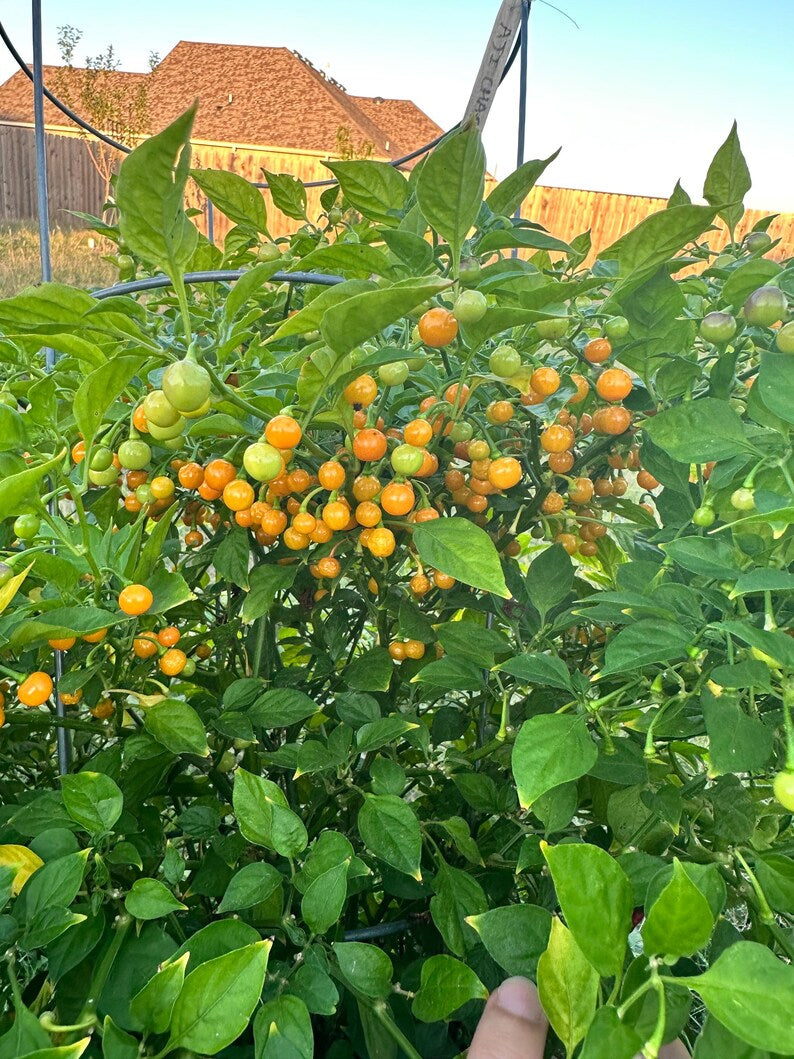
x=122 y=926
x=654 y=1043
x=383 y=1015
x=229 y=393
x=634 y=997
x=788 y=723
x=767 y=915
x=181 y=293
x=501 y=735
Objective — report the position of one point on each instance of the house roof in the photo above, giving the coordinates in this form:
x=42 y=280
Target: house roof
x=265 y=96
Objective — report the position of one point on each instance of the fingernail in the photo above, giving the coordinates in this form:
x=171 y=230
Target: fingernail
x=519 y=997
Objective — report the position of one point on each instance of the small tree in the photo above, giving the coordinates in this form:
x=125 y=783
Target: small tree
x=346 y=150
x=115 y=107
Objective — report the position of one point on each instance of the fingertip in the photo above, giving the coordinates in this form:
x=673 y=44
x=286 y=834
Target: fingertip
x=518 y=996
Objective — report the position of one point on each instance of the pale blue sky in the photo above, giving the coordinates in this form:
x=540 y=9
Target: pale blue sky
x=638 y=94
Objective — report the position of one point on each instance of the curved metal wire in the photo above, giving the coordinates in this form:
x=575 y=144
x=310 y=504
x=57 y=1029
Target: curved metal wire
x=88 y=127
x=222 y=275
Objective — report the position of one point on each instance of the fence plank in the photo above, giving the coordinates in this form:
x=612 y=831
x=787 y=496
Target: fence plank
x=74 y=184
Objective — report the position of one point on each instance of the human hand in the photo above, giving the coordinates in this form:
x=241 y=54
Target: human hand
x=513 y=1026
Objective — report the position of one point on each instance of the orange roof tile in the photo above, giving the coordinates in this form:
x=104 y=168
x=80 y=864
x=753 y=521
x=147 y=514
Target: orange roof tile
x=268 y=97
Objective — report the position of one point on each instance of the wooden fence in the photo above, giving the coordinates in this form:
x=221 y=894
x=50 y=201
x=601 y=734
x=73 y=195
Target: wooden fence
x=73 y=182
x=75 y=185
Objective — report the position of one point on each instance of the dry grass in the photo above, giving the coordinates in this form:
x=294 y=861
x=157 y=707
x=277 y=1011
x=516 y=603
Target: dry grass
x=76 y=258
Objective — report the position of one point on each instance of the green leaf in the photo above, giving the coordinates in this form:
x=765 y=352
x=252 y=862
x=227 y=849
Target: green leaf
x=116 y=1044
x=654 y=309
x=376 y=189
x=376 y=734
x=451 y=185
x=153 y=1005
x=315 y=988
x=92 y=800
x=567 y=986
x=541 y=670
x=499 y=318
x=151 y=899
x=699 y=431
x=281 y=707
x=549 y=750
x=763 y=581
x=47 y=925
x=679 y=921
x=411 y=249
x=149 y=559
x=656 y=239
x=608 y=1036
x=776 y=875
x=446 y=985
x=20 y=492
x=252 y=884
x=283 y=1030
x=466 y=639
x=324 y=899
x=462 y=550
x=525 y=238
x=177 y=727
x=231 y=557
x=352 y=321
x=370 y=671
x=367 y=968
x=265 y=583
x=289 y=194
x=678 y=196
x=25 y=1035
x=549 y=579
x=150 y=189
x=715 y=1042
x=57 y=883
x=509 y=194
x=773 y=642
x=264 y=816
x=64 y=1051
x=458 y=830
x=13 y=430
x=515 y=936
x=737 y=742
x=451 y=672
x=351 y=259
x=457 y=896
x=217 y=1000
x=707 y=556
x=751 y=992
x=596 y=899
x=65 y=621
x=776 y=385
x=728 y=180
x=233 y=195
x=747 y=278
x=390 y=831
x=240 y=295
x=99 y=390
x=216 y=939
x=643 y=643
x=310 y=316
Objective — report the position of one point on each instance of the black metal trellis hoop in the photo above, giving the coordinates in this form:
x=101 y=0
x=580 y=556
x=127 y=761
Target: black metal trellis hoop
x=223 y=275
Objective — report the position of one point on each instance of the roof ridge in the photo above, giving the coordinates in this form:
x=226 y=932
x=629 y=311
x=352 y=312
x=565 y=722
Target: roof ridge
x=366 y=125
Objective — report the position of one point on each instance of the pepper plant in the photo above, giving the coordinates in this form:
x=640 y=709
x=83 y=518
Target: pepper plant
x=416 y=627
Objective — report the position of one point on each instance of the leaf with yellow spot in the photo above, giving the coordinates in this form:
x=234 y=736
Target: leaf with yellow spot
x=12 y=586
x=24 y=860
